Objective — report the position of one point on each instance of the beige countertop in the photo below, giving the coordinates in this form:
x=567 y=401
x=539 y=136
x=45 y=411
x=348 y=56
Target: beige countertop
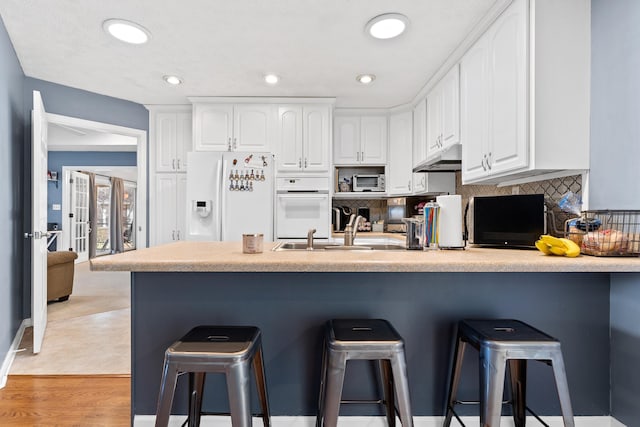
x=228 y=257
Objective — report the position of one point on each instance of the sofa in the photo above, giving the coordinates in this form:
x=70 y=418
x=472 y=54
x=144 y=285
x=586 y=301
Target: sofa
x=60 y=269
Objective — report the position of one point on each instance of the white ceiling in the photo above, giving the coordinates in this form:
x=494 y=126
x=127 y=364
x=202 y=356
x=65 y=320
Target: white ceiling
x=72 y=138
x=223 y=48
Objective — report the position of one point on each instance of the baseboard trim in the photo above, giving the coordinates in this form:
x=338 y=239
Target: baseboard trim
x=285 y=421
x=11 y=353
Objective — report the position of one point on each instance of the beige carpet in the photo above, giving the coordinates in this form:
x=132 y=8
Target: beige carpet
x=88 y=334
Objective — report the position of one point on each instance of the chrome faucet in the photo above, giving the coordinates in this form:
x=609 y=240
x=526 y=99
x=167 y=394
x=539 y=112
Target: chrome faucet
x=351 y=229
x=310 y=239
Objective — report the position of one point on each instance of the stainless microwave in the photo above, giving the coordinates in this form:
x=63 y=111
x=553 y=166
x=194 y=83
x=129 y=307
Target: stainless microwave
x=507 y=221
x=373 y=182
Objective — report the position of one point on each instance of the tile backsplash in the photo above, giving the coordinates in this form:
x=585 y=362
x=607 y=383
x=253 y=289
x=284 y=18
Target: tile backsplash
x=553 y=190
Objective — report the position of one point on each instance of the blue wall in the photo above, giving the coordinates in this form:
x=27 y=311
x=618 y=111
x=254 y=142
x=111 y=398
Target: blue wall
x=291 y=308
x=615 y=105
x=615 y=176
x=77 y=103
x=11 y=191
x=58 y=159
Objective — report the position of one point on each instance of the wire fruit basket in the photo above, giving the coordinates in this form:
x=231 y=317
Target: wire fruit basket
x=606 y=232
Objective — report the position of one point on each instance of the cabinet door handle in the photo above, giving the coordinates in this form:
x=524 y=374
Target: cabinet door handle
x=300 y=163
x=305 y=163
x=178 y=233
x=484 y=158
x=489 y=160
x=409 y=185
x=357 y=156
x=173 y=164
x=178 y=162
x=235 y=145
x=173 y=235
x=229 y=144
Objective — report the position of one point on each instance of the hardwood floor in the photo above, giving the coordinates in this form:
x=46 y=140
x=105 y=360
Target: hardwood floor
x=66 y=400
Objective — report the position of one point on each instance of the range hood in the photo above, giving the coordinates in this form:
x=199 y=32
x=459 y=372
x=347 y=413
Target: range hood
x=447 y=161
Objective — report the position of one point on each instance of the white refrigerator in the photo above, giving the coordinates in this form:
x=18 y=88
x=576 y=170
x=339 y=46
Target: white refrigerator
x=229 y=194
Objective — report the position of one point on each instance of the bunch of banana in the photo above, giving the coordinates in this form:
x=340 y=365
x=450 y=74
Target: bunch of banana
x=550 y=245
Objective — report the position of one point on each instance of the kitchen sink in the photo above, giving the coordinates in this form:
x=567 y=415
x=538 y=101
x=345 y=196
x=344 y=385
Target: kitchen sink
x=302 y=246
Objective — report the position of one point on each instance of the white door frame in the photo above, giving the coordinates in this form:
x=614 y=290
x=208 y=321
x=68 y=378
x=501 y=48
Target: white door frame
x=141 y=164
x=64 y=239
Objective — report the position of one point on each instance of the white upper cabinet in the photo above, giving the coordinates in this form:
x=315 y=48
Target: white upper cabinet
x=234 y=127
x=400 y=176
x=360 y=140
x=316 y=140
x=443 y=114
x=419 y=132
x=304 y=138
x=170 y=139
x=524 y=94
x=373 y=137
x=346 y=140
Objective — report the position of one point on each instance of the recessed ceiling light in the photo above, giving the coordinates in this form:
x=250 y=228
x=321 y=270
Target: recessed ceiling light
x=387 y=26
x=172 y=80
x=365 y=79
x=126 y=31
x=271 y=79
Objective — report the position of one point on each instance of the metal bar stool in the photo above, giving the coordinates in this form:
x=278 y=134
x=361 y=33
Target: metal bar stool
x=222 y=349
x=500 y=341
x=364 y=339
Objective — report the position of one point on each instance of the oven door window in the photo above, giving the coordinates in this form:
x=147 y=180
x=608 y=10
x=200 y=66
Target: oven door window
x=368 y=181
x=297 y=213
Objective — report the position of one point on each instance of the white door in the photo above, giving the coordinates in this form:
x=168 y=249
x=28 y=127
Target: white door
x=373 y=136
x=434 y=121
x=419 y=132
x=451 y=108
x=474 y=110
x=289 y=153
x=184 y=139
x=400 y=178
x=79 y=218
x=39 y=221
x=212 y=127
x=166 y=209
x=253 y=126
x=346 y=140
x=181 y=206
x=247 y=211
x=316 y=138
x=165 y=146
x=508 y=91
x=297 y=213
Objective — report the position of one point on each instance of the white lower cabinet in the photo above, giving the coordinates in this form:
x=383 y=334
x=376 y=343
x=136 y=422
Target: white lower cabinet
x=168 y=208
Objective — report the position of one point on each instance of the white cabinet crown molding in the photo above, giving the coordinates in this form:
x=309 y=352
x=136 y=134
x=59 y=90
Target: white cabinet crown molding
x=260 y=100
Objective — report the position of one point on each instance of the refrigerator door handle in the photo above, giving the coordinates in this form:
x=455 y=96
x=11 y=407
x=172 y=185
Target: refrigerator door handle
x=221 y=199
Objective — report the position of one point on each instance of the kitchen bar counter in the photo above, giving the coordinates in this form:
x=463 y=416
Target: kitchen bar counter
x=228 y=257
x=584 y=302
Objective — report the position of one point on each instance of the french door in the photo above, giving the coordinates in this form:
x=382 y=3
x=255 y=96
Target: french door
x=79 y=224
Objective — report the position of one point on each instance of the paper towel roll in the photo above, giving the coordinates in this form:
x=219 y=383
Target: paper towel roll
x=450 y=233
